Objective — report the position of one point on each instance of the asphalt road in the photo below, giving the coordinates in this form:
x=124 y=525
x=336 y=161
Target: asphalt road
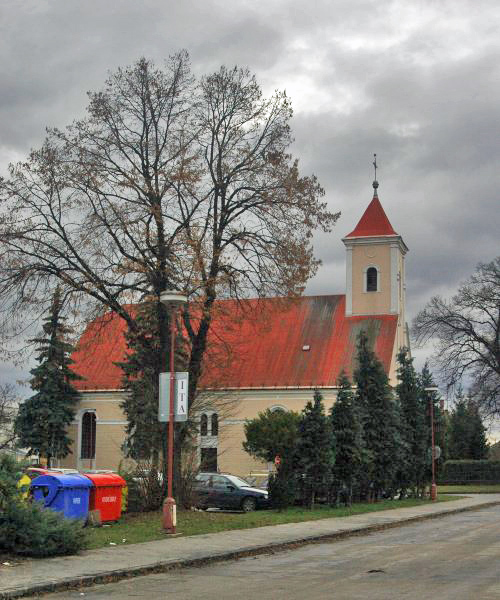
x=455 y=557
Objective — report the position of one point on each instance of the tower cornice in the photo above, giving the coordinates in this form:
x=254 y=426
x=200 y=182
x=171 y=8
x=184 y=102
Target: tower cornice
x=349 y=242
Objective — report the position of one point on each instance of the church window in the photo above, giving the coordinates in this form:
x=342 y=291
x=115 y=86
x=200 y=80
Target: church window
x=215 y=424
x=204 y=424
x=209 y=459
x=371 y=279
x=88 y=435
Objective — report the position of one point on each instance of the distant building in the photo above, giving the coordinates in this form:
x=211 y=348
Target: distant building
x=277 y=352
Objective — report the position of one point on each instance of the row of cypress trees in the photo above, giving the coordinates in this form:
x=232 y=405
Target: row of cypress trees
x=374 y=442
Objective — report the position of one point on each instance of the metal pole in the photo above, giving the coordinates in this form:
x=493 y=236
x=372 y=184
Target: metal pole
x=171 y=298
x=433 y=450
x=171 y=411
x=169 y=508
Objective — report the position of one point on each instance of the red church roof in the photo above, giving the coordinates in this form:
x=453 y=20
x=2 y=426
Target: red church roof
x=373 y=222
x=271 y=342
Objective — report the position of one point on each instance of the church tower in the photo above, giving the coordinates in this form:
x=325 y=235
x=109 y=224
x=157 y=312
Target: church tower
x=375 y=268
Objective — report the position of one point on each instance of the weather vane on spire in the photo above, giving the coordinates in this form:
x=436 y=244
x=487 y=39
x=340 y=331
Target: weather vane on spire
x=375 y=182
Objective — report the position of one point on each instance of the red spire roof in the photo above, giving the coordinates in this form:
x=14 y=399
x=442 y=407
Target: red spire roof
x=373 y=222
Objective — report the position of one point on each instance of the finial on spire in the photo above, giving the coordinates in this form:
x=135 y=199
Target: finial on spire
x=375 y=182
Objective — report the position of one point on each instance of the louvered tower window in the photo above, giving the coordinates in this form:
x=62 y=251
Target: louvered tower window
x=371 y=279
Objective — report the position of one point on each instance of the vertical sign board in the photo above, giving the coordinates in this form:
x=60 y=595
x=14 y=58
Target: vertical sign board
x=180 y=397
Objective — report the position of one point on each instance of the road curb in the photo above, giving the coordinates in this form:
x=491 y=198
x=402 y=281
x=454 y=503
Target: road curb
x=270 y=548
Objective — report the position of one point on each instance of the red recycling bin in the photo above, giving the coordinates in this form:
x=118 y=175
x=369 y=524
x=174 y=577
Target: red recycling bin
x=106 y=495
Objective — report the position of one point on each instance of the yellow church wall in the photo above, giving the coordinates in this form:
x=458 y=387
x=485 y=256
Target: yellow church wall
x=107 y=406
x=109 y=439
x=110 y=431
x=232 y=458
x=70 y=461
x=364 y=256
x=248 y=403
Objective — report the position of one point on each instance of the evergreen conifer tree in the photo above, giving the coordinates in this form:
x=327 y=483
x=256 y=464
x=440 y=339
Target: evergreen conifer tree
x=459 y=428
x=350 y=451
x=478 y=443
x=414 y=430
x=315 y=449
x=146 y=437
x=466 y=432
x=141 y=368
x=380 y=419
x=42 y=422
x=282 y=486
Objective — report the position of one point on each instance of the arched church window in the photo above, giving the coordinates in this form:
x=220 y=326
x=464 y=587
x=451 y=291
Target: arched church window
x=215 y=424
x=371 y=279
x=204 y=424
x=87 y=449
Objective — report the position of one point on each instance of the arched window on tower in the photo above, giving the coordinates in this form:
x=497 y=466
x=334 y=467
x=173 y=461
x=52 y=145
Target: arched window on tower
x=87 y=449
x=371 y=279
x=204 y=424
x=215 y=424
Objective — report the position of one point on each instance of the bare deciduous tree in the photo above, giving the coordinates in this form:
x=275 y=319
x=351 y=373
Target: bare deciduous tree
x=8 y=411
x=166 y=183
x=466 y=331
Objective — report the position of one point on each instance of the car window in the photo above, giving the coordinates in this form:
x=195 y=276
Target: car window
x=220 y=481
x=202 y=480
x=238 y=481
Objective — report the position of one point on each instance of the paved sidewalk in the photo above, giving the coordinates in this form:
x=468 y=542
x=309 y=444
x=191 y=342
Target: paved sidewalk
x=118 y=562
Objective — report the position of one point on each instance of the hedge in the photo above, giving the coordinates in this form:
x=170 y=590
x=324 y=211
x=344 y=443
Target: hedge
x=460 y=472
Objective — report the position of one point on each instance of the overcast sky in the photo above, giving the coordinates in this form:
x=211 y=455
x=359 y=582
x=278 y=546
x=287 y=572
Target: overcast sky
x=416 y=82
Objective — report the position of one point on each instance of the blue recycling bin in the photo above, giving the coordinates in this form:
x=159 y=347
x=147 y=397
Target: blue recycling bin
x=67 y=494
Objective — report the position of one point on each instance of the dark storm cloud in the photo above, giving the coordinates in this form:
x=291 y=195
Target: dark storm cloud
x=436 y=129
x=53 y=52
x=415 y=82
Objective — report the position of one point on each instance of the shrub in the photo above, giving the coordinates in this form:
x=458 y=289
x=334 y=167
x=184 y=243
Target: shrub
x=30 y=530
x=185 y=490
x=10 y=473
x=145 y=487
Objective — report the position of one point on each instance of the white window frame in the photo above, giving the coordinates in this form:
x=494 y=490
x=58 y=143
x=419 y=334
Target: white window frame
x=365 y=279
x=80 y=415
x=277 y=407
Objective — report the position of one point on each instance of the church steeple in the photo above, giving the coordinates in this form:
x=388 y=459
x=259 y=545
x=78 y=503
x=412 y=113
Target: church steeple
x=374 y=222
x=374 y=264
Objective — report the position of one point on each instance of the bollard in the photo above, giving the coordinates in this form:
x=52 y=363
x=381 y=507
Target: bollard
x=169 y=515
x=434 y=492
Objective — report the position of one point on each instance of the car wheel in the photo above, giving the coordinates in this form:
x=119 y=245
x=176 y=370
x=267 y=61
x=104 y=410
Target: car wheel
x=248 y=504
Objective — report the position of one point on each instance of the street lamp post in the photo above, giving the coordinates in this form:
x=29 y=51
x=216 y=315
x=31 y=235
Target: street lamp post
x=172 y=299
x=433 y=443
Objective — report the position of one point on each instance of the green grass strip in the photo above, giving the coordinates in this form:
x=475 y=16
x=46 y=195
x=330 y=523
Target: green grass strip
x=145 y=527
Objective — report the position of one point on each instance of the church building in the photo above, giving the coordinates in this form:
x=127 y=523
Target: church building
x=278 y=351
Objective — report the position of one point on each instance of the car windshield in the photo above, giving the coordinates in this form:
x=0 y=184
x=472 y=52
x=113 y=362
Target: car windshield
x=238 y=481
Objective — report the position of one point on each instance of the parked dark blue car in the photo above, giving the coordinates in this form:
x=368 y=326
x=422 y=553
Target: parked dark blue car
x=215 y=490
